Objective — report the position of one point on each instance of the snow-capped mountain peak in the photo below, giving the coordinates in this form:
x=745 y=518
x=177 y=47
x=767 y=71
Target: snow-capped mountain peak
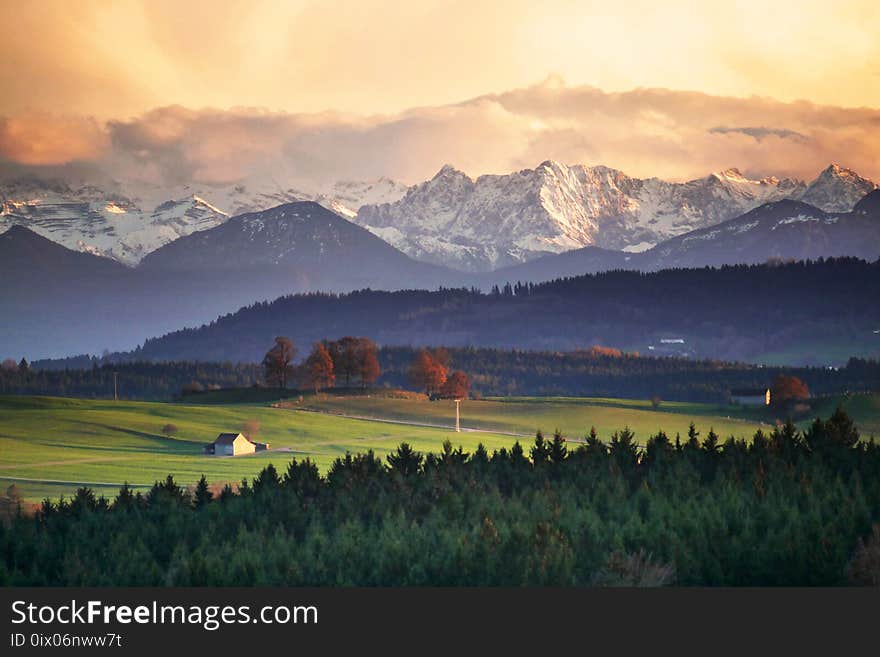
x=449 y=171
x=731 y=174
x=837 y=189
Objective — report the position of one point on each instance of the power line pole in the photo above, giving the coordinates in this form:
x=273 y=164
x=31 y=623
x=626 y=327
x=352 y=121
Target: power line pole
x=457 y=416
x=115 y=388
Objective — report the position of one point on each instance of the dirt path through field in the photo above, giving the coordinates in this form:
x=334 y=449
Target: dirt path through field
x=410 y=423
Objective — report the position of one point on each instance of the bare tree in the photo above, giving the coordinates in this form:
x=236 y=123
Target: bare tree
x=251 y=428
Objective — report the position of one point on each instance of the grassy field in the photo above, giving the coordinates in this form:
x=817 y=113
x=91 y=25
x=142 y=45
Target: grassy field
x=49 y=446
x=572 y=416
x=575 y=415
x=103 y=442
x=865 y=409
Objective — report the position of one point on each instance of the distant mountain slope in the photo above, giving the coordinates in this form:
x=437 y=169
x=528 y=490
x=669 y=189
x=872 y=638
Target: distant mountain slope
x=818 y=313
x=27 y=256
x=58 y=301
x=495 y=221
x=53 y=300
x=300 y=245
x=789 y=230
x=296 y=247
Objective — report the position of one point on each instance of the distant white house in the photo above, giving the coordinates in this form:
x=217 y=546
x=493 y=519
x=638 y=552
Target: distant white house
x=750 y=396
x=234 y=444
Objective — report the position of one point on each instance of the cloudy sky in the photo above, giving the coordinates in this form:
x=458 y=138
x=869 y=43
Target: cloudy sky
x=218 y=91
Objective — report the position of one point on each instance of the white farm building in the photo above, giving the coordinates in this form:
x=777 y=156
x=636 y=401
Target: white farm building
x=233 y=444
x=750 y=396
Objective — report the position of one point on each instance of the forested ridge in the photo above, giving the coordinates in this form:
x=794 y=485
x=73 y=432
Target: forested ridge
x=730 y=313
x=788 y=508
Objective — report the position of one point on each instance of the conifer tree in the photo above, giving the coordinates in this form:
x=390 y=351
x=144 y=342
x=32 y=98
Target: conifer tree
x=405 y=461
x=540 y=453
x=203 y=494
x=558 y=451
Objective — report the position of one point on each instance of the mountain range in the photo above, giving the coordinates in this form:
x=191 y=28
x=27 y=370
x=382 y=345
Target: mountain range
x=493 y=221
x=57 y=301
x=474 y=225
x=127 y=220
x=130 y=274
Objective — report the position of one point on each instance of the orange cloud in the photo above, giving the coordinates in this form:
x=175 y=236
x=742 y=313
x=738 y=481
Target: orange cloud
x=40 y=139
x=646 y=132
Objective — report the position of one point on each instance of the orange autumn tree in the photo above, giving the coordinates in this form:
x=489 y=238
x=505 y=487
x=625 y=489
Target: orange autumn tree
x=428 y=371
x=319 y=368
x=344 y=353
x=367 y=362
x=788 y=389
x=457 y=386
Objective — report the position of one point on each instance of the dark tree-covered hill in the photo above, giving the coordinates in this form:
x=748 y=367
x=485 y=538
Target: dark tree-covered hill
x=819 y=313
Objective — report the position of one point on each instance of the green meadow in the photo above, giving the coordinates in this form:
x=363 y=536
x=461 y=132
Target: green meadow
x=49 y=446
x=45 y=440
x=572 y=416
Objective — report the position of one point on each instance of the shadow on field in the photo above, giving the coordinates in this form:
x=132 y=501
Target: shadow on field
x=163 y=443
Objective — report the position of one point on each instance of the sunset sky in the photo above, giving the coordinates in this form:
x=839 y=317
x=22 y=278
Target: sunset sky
x=403 y=87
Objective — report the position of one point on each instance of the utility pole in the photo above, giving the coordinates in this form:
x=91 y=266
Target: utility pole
x=115 y=388
x=457 y=416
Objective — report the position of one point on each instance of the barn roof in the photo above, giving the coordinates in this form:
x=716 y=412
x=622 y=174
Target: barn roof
x=228 y=438
x=749 y=392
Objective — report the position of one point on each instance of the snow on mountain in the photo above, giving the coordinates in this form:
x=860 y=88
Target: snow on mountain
x=112 y=226
x=300 y=235
x=126 y=221
x=786 y=230
x=499 y=220
x=470 y=224
x=837 y=189
x=347 y=196
x=776 y=231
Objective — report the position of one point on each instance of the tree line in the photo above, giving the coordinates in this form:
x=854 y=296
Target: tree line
x=596 y=371
x=93 y=378
x=348 y=359
x=788 y=508
x=351 y=360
